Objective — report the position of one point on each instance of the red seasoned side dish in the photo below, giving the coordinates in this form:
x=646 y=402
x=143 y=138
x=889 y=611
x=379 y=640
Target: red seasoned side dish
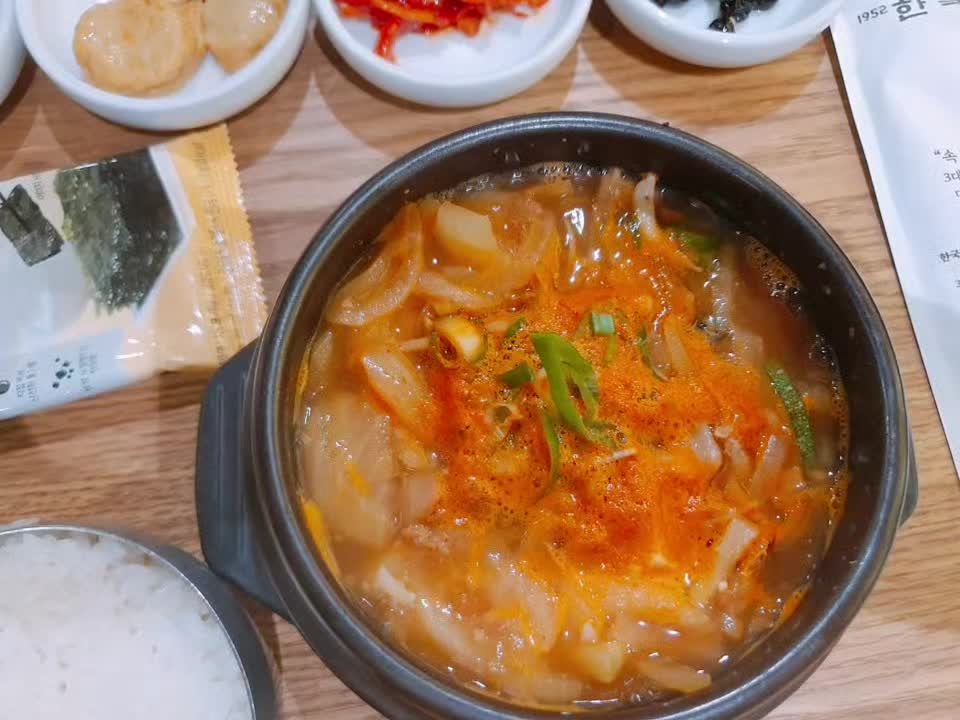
x=392 y=18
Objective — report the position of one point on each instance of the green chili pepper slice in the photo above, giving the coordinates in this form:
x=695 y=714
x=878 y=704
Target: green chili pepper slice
x=515 y=327
x=703 y=246
x=553 y=444
x=564 y=366
x=611 y=350
x=519 y=376
x=799 y=419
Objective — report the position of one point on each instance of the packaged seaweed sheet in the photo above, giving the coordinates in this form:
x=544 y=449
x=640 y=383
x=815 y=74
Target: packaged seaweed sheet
x=115 y=271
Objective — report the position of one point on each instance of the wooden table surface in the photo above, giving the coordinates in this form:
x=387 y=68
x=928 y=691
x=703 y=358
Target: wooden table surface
x=128 y=458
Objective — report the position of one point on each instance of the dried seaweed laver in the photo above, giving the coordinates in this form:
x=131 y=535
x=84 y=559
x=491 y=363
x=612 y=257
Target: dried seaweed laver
x=119 y=218
x=189 y=296
x=23 y=223
x=731 y=11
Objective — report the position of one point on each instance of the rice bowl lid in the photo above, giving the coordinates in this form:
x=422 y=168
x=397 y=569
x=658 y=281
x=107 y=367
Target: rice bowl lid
x=233 y=625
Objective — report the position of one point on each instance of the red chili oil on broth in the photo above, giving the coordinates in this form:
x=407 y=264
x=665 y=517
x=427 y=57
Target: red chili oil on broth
x=570 y=437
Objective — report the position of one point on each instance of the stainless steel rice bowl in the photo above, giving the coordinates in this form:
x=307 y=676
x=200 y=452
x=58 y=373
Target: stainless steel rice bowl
x=157 y=604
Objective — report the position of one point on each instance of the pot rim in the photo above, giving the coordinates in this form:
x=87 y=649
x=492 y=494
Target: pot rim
x=308 y=585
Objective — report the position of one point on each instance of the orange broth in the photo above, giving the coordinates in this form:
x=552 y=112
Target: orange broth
x=662 y=537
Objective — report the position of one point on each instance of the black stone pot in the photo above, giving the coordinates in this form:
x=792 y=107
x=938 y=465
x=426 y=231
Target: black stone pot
x=250 y=525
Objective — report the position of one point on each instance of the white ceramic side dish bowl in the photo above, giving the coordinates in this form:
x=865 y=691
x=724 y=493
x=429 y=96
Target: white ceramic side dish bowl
x=449 y=69
x=682 y=30
x=211 y=95
x=11 y=48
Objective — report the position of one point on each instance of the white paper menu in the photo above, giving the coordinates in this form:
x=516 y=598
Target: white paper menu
x=901 y=67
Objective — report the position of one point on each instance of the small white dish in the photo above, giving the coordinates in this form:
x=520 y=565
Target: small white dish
x=449 y=69
x=210 y=96
x=682 y=30
x=11 y=49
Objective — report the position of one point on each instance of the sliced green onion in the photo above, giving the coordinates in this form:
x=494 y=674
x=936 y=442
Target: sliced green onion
x=698 y=242
x=564 y=367
x=555 y=354
x=518 y=377
x=611 y=352
x=799 y=419
x=602 y=324
x=553 y=444
x=458 y=340
x=703 y=246
x=515 y=327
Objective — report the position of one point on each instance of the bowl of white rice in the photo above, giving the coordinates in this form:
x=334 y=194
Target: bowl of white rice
x=100 y=626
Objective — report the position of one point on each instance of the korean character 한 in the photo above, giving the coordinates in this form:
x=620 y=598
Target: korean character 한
x=909 y=9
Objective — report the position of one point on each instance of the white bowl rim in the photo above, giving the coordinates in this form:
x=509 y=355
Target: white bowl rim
x=332 y=22
x=88 y=94
x=8 y=15
x=808 y=25
x=11 y=49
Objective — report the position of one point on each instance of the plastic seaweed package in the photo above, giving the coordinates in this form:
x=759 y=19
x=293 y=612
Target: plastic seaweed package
x=900 y=69
x=115 y=271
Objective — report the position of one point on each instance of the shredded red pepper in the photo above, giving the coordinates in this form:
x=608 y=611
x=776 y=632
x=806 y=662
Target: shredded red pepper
x=392 y=18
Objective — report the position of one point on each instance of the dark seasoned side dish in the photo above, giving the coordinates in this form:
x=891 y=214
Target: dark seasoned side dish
x=731 y=11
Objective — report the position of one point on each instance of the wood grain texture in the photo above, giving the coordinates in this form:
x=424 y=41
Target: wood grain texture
x=128 y=458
